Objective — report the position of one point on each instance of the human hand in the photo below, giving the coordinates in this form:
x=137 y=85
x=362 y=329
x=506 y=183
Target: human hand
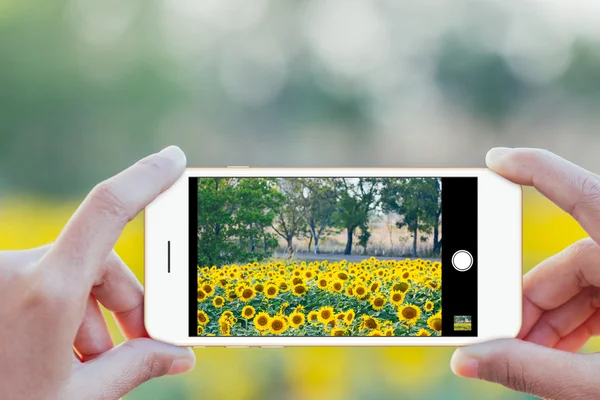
x=561 y=295
x=53 y=337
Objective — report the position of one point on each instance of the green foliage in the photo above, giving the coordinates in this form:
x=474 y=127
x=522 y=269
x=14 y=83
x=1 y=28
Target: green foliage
x=289 y=221
x=417 y=201
x=232 y=216
x=357 y=198
x=319 y=200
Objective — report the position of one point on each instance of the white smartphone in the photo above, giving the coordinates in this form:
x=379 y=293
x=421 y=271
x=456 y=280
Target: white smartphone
x=241 y=257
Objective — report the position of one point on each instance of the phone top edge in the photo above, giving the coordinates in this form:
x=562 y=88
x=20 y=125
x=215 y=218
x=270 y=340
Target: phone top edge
x=229 y=168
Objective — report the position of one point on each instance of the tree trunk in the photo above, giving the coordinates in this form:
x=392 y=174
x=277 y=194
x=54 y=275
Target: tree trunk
x=310 y=239
x=415 y=234
x=290 y=245
x=348 y=249
x=317 y=250
x=436 y=234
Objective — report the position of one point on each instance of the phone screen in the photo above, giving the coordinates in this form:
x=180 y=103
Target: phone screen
x=327 y=256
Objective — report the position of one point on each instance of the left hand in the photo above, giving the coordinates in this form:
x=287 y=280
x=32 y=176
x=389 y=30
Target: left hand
x=54 y=341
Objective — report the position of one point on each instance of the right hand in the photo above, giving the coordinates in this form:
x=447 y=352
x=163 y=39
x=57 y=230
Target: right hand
x=561 y=296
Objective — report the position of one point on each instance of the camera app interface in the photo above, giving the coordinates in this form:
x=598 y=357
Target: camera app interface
x=330 y=256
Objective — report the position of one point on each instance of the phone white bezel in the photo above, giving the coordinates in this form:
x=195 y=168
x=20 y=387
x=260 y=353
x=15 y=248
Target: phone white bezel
x=499 y=260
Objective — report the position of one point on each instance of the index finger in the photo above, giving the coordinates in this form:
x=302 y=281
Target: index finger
x=91 y=233
x=572 y=188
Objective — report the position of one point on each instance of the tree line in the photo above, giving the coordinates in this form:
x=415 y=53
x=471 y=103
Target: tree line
x=239 y=219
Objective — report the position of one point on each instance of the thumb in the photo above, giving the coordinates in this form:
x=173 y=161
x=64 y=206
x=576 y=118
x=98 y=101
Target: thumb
x=126 y=366
x=530 y=368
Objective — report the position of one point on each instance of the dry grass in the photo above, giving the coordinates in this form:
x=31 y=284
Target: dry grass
x=386 y=240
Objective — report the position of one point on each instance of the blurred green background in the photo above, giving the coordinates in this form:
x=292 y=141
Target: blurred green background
x=87 y=87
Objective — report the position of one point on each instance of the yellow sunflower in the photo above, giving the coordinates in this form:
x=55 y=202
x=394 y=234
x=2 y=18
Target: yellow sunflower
x=296 y=319
x=376 y=332
x=261 y=321
x=349 y=318
x=203 y=318
x=401 y=286
x=409 y=313
x=277 y=325
x=271 y=291
x=343 y=276
x=360 y=291
x=336 y=286
x=428 y=306
x=370 y=322
x=434 y=285
x=201 y=295
x=248 y=312
x=208 y=289
x=337 y=332
x=423 y=332
x=313 y=317
x=435 y=322
x=283 y=286
x=323 y=283
x=325 y=314
x=218 y=301
x=228 y=314
x=378 y=302
x=375 y=286
x=396 y=298
x=225 y=328
x=247 y=294
x=200 y=330
x=299 y=290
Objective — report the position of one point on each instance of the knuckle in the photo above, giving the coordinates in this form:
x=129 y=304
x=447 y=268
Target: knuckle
x=533 y=156
x=157 y=365
x=55 y=296
x=49 y=293
x=583 y=247
x=157 y=163
x=153 y=364
x=595 y=298
x=588 y=189
x=516 y=379
x=107 y=200
x=509 y=373
x=581 y=253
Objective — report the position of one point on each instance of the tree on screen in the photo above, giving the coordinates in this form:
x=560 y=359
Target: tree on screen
x=418 y=203
x=233 y=214
x=319 y=205
x=358 y=197
x=289 y=222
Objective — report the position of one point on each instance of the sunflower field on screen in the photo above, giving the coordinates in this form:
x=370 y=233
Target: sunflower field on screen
x=321 y=298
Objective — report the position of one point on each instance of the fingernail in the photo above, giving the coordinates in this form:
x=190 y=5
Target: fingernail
x=464 y=365
x=174 y=153
x=495 y=155
x=180 y=366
